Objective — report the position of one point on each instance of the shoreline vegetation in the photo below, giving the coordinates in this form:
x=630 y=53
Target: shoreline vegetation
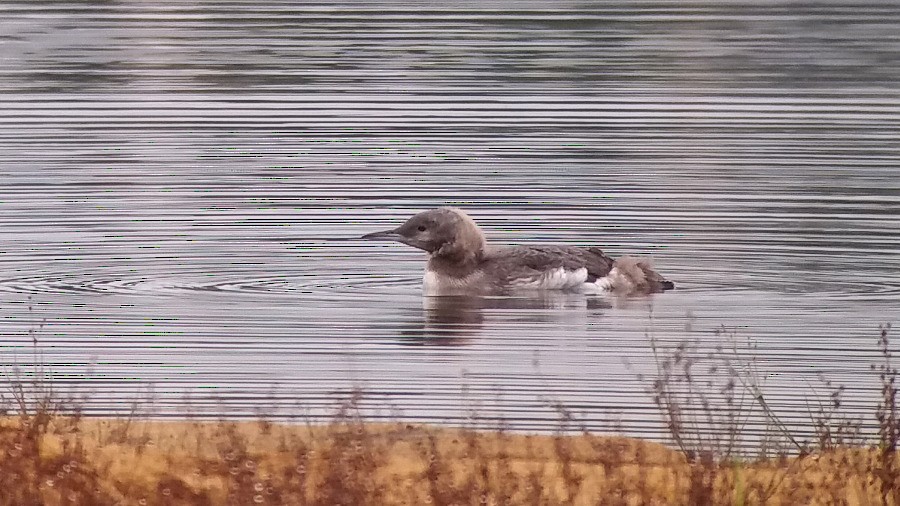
x=50 y=454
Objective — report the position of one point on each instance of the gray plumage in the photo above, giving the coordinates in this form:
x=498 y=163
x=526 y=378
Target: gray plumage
x=461 y=261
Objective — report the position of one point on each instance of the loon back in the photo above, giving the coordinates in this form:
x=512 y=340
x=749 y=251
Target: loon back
x=567 y=267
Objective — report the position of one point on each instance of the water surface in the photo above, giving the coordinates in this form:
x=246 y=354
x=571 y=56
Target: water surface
x=183 y=188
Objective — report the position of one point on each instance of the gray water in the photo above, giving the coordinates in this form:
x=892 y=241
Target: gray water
x=182 y=189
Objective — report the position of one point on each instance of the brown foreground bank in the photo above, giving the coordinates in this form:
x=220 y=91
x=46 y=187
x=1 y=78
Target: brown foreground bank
x=68 y=460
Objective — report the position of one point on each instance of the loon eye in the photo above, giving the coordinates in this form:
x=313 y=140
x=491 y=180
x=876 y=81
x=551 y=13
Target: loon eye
x=421 y=228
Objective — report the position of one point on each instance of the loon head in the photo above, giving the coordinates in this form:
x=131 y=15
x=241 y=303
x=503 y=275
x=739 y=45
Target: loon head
x=445 y=232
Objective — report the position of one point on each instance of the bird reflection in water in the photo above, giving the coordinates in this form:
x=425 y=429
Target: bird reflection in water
x=457 y=319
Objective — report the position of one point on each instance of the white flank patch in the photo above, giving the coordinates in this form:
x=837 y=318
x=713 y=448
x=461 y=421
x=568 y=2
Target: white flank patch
x=553 y=279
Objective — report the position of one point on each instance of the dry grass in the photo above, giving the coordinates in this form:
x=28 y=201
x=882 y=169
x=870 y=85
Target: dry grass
x=101 y=461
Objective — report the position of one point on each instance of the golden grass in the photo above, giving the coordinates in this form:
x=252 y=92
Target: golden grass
x=65 y=460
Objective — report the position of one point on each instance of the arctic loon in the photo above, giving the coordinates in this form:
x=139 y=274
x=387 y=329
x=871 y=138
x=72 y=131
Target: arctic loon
x=461 y=262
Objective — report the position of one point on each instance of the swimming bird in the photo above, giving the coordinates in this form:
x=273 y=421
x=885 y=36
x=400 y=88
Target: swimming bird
x=461 y=262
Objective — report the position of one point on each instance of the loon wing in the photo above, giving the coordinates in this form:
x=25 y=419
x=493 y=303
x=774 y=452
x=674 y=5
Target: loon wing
x=532 y=262
x=542 y=266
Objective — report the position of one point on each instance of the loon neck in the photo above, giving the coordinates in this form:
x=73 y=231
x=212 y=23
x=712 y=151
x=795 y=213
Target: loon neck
x=455 y=265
